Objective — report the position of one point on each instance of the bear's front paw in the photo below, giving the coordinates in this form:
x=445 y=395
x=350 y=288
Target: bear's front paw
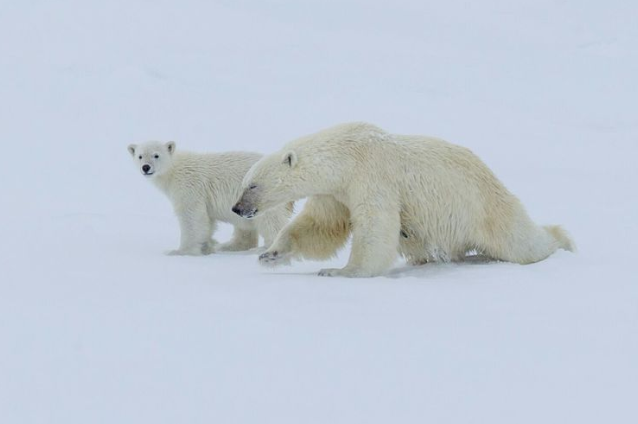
x=273 y=258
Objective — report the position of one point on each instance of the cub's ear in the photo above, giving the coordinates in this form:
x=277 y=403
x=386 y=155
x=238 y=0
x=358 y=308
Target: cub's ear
x=131 y=149
x=170 y=146
x=290 y=159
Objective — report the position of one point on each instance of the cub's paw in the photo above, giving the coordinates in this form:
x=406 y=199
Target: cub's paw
x=274 y=258
x=205 y=248
x=176 y=252
x=208 y=248
x=185 y=252
x=231 y=247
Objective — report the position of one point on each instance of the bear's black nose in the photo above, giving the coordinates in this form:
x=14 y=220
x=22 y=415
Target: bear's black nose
x=237 y=209
x=146 y=168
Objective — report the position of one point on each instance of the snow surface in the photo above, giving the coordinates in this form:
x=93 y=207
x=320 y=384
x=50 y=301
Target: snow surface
x=97 y=325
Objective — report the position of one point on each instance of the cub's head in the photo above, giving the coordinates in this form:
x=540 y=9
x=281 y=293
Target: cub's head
x=153 y=158
x=274 y=180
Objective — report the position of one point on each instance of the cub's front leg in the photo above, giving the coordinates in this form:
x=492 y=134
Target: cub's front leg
x=196 y=230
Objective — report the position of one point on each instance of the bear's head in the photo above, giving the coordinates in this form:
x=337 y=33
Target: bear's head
x=153 y=158
x=274 y=180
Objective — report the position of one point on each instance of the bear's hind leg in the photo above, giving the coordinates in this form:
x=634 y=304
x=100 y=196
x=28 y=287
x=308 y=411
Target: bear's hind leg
x=413 y=248
x=523 y=243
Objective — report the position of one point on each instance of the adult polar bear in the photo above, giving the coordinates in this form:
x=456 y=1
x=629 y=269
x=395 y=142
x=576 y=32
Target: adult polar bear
x=423 y=197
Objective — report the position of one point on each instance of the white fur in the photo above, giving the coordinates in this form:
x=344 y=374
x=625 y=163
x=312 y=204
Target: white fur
x=425 y=198
x=202 y=189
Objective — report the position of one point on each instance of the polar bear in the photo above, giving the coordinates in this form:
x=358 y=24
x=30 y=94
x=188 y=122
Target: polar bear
x=422 y=197
x=203 y=189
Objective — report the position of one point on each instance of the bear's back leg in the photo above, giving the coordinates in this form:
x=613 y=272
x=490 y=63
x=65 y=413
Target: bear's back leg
x=520 y=241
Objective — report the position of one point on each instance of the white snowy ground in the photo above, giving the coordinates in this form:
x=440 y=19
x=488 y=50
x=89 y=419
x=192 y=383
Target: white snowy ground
x=97 y=325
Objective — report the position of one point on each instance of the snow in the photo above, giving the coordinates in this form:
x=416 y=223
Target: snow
x=98 y=325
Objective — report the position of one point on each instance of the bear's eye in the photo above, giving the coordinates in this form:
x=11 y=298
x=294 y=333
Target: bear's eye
x=252 y=186
x=156 y=156
x=140 y=156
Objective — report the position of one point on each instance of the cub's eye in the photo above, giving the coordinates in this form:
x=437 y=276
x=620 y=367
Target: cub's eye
x=156 y=156
x=252 y=186
x=140 y=156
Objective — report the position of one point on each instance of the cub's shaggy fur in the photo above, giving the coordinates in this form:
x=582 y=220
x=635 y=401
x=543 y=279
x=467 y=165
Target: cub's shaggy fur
x=203 y=189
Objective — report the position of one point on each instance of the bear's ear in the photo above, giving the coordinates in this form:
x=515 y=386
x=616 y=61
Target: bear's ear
x=170 y=146
x=290 y=159
x=131 y=149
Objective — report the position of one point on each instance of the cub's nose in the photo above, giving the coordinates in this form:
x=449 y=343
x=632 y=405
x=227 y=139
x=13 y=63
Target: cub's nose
x=237 y=209
x=146 y=168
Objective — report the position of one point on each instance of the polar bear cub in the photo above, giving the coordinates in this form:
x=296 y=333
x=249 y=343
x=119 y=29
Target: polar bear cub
x=421 y=197
x=203 y=189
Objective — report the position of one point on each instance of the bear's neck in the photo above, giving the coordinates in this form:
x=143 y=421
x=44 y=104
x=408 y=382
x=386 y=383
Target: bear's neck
x=163 y=182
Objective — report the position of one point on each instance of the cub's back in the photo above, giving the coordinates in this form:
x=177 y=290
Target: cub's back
x=225 y=169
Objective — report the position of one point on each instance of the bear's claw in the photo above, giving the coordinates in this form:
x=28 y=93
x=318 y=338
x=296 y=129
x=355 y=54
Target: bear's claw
x=273 y=259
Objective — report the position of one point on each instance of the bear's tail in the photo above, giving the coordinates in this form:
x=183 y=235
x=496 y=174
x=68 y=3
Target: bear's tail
x=564 y=240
